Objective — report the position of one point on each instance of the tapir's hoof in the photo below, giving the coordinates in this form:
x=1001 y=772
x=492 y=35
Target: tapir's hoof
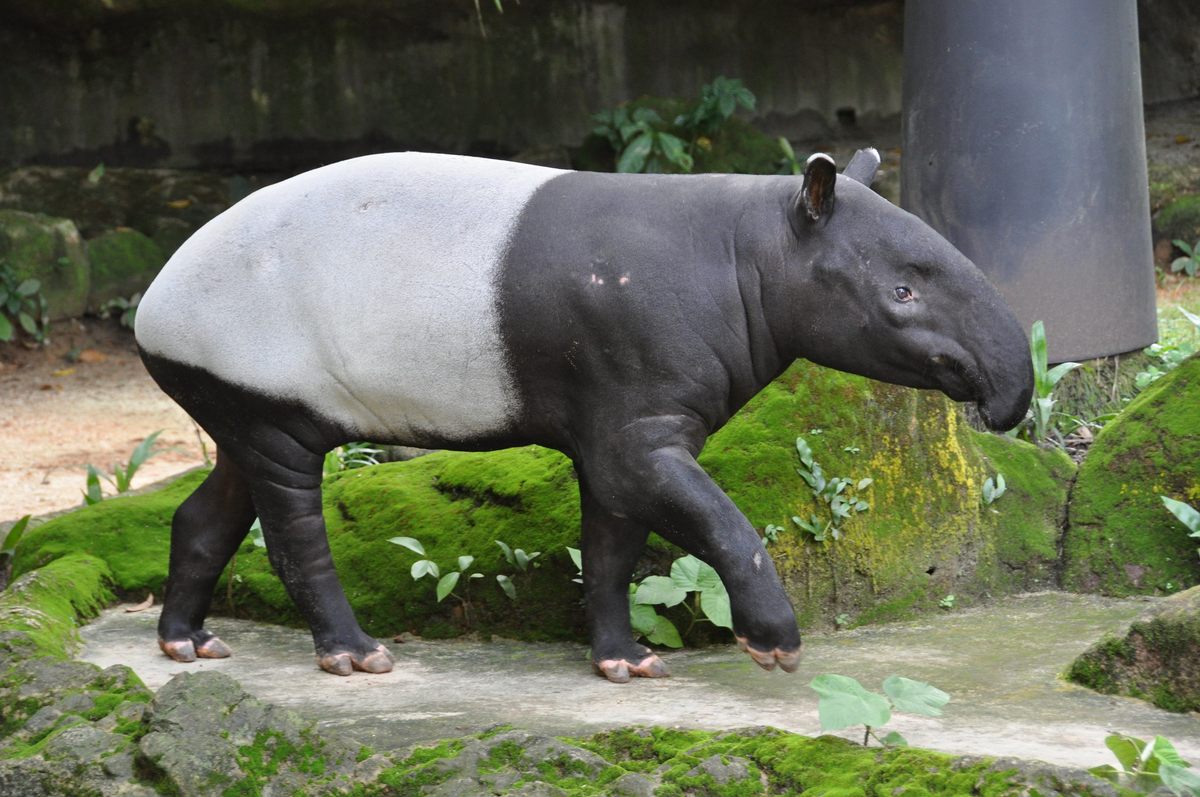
x=343 y=662
x=619 y=671
x=786 y=660
x=186 y=650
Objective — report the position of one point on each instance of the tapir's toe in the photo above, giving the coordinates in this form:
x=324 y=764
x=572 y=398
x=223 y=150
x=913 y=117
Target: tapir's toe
x=178 y=649
x=342 y=662
x=786 y=660
x=213 y=648
x=619 y=671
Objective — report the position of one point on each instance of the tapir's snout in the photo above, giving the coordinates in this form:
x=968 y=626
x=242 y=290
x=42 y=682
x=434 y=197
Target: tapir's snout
x=1006 y=370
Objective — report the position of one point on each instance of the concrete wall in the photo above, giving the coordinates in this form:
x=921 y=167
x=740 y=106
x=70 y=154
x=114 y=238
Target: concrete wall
x=285 y=84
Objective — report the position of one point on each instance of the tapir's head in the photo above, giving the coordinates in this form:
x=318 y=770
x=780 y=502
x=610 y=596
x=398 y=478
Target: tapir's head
x=885 y=296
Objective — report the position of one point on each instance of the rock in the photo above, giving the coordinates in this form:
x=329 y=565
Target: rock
x=723 y=769
x=1120 y=539
x=1157 y=660
x=124 y=261
x=49 y=250
x=633 y=784
x=206 y=733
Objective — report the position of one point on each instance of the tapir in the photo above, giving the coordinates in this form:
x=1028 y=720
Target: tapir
x=452 y=302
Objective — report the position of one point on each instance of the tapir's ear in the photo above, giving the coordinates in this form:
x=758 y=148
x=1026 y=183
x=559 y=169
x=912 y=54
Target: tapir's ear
x=863 y=165
x=816 y=195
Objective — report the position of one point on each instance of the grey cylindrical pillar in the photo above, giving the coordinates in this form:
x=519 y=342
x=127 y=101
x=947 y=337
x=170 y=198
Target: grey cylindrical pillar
x=1024 y=146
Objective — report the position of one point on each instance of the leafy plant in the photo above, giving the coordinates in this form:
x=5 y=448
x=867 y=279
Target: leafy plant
x=1186 y=514
x=23 y=306
x=838 y=495
x=993 y=489
x=122 y=475
x=8 y=547
x=1045 y=379
x=349 y=457
x=947 y=602
x=709 y=601
x=641 y=141
x=789 y=163
x=1170 y=353
x=1190 y=262
x=718 y=102
x=525 y=564
x=447 y=584
x=1145 y=766
x=844 y=703
x=124 y=309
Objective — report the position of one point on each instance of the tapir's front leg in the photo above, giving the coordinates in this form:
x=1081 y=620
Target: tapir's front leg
x=611 y=547
x=656 y=482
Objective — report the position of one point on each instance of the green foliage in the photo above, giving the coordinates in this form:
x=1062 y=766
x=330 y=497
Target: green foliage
x=947 y=602
x=22 y=306
x=446 y=584
x=1146 y=766
x=641 y=141
x=993 y=489
x=8 y=547
x=1170 y=352
x=791 y=164
x=839 y=495
x=1186 y=513
x=349 y=457
x=122 y=476
x=1190 y=262
x=124 y=309
x=689 y=576
x=845 y=703
x=644 y=142
x=1042 y=424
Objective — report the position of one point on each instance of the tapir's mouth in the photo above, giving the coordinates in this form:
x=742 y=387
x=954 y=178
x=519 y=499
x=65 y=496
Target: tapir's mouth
x=956 y=379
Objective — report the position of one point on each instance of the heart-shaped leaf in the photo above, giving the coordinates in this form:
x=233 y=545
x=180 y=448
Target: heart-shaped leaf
x=915 y=697
x=844 y=703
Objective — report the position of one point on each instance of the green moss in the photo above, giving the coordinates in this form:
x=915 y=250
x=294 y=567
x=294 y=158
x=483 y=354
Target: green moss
x=124 y=261
x=270 y=753
x=131 y=534
x=49 y=250
x=46 y=606
x=1180 y=219
x=1120 y=539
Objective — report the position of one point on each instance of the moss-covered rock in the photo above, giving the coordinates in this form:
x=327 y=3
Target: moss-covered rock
x=124 y=261
x=1179 y=219
x=1158 y=659
x=1120 y=539
x=926 y=535
x=49 y=250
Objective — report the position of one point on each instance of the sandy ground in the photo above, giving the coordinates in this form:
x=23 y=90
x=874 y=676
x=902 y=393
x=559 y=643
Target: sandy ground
x=56 y=416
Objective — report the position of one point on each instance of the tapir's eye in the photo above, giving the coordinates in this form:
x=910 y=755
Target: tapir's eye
x=903 y=294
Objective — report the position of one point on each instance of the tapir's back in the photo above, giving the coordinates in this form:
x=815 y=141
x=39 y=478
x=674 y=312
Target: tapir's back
x=364 y=290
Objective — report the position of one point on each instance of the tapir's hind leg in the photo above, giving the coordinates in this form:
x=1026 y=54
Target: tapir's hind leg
x=288 y=499
x=611 y=547
x=205 y=531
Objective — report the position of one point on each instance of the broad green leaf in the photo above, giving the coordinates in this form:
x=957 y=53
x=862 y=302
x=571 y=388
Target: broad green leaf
x=1182 y=245
x=1106 y=772
x=805 y=452
x=522 y=559
x=659 y=590
x=465 y=561
x=643 y=618
x=673 y=148
x=1187 y=514
x=27 y=323
x=1037 y=350
x=648 y=116
x=28 y=288
x=1183 y=781
x=1165 y=752
x=576 y=557
x=1127 y=749
x=894 y=739
x=633 y=159
x=989 y=491
x=410 y=543
x=691 y=574
x=446 y=585
x=14 y=535
x=424 y=567
x=508 y=554
x=1180 y=264
x=861 y=506
x=665 y=633
x=715 y=604
x=1059 y=371
x=845 y=703
x=864 y=483
x=915 y=697
x=94 y=494
x=506 y=584
x=6 y=329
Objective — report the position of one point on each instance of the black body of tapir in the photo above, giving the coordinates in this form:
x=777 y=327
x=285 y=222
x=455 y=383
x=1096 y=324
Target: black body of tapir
x=452 y=302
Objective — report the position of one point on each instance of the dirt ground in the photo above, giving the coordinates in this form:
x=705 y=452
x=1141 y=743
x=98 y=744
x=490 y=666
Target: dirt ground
x=84 y=399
